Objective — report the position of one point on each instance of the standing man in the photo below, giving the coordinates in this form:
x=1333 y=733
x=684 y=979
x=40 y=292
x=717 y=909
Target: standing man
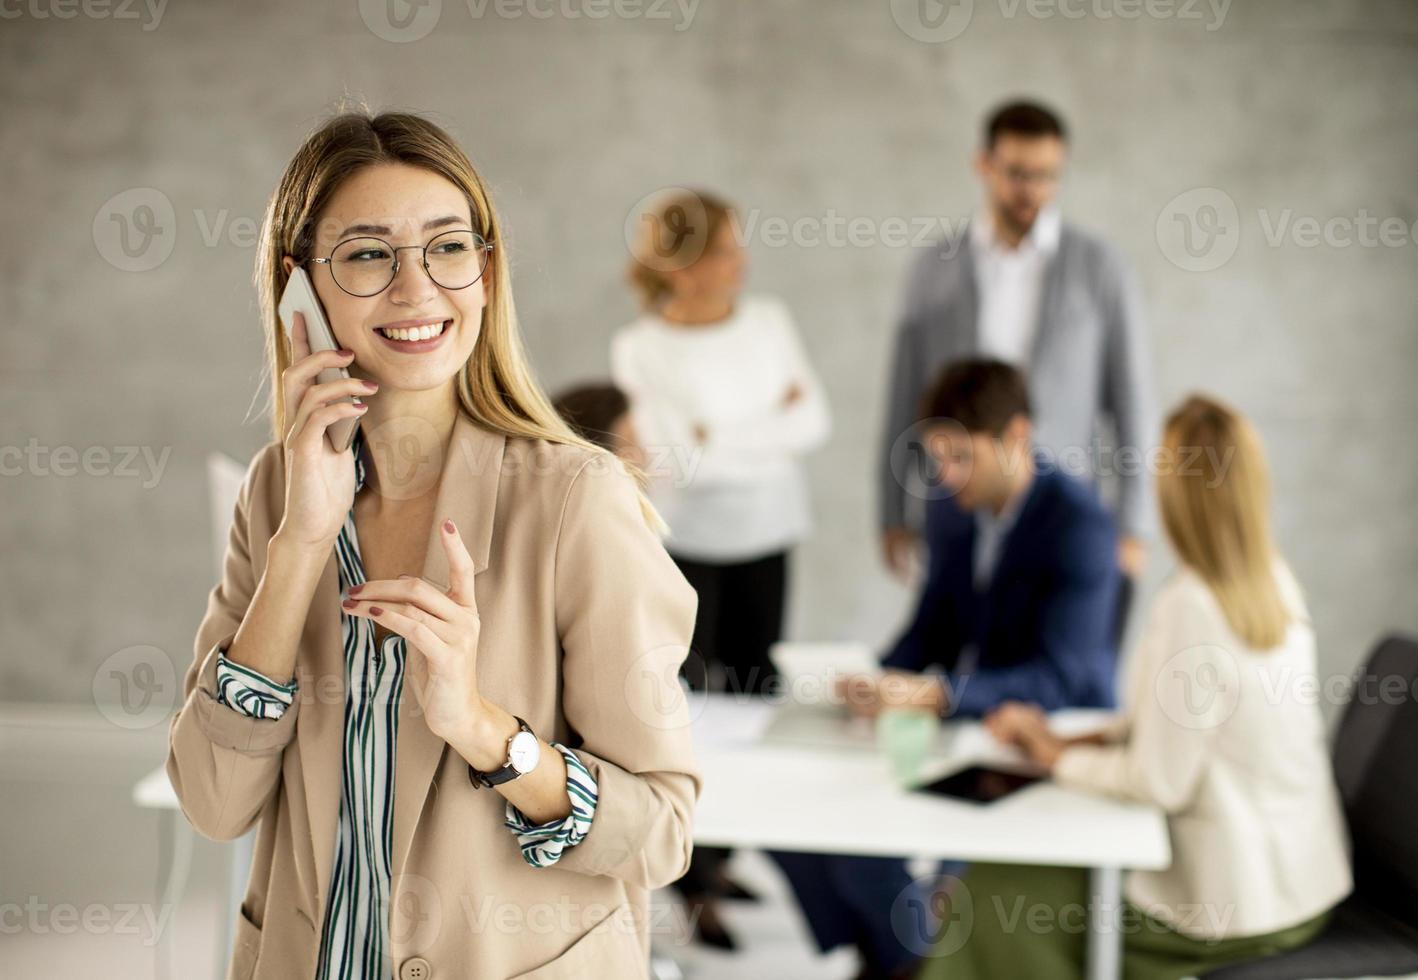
x=1026 y=287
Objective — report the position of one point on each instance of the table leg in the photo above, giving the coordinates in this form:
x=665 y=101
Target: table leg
x=175 y=847
x=238 y=870
x=1105 y=937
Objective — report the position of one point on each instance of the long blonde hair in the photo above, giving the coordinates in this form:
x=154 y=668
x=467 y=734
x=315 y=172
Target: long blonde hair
x=1215 y=502
x=496 y=387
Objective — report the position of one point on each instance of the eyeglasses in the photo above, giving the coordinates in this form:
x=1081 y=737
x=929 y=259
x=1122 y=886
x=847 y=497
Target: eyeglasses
x=366 y=266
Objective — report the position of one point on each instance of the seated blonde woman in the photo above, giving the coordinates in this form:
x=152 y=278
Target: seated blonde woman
x=1218 y=731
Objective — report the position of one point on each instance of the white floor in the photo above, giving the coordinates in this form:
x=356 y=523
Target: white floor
x=80 y=869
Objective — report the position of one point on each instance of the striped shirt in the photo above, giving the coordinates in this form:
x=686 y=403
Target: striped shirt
x=355 y=938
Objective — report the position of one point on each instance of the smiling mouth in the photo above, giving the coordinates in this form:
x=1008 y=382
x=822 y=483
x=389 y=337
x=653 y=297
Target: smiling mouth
x=425 y=332
x=415 y=340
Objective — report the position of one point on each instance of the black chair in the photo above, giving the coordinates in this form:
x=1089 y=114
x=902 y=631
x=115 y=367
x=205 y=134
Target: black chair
x=1374 y=932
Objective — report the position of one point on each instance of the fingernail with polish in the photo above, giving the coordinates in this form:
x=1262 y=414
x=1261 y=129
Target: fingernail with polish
x=448 y=526
x=350 y=603
x=376 y=611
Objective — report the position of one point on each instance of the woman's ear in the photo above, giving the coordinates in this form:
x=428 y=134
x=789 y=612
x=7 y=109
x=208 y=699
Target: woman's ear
x=287 y=263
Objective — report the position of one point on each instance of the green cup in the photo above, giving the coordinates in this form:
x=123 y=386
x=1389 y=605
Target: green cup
x=906 y=736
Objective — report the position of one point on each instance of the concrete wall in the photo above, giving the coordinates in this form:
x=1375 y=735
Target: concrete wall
x=796 y=110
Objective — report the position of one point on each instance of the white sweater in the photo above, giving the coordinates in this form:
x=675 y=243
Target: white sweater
x=1228 y=740
x=742 y=494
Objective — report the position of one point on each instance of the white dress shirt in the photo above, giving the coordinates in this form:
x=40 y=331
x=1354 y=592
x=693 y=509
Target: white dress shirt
x=1229 y=741
x=742 y=494
x=1010 y=282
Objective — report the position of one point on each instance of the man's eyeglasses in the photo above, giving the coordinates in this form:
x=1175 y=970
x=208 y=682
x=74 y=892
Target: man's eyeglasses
x=366 y=266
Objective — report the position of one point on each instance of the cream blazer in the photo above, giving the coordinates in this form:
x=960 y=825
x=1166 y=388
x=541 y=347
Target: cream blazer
x=1229 y=741
x=585 y=622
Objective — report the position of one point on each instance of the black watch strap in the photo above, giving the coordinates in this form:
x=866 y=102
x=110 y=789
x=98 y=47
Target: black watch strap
x=497 y=776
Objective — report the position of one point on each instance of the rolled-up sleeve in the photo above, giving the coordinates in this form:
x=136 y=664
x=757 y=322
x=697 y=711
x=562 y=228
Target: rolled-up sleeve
x=223 y=763
x=625 y=617
x=543 y=844
x=251 y=692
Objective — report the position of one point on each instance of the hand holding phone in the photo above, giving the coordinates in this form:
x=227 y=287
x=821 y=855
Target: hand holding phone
x=320 y=479
x=299 y=299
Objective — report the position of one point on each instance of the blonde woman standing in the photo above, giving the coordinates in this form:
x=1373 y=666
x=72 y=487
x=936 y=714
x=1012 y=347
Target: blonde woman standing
x=724 y=398
x=473 y=765
x=1217 y=732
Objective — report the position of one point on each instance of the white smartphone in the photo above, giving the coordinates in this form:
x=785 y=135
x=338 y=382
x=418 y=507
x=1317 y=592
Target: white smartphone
x=299 y=297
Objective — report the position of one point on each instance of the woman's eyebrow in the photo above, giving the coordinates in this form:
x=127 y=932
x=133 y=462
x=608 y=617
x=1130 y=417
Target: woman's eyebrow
x=447 y=219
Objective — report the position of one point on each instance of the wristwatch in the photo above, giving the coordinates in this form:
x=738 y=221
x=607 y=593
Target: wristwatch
x=523 y=753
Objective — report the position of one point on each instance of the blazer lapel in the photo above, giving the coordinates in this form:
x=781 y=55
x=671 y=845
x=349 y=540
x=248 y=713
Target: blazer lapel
x=1046 y=325
x=967 y=313
x=319 y=729
x=467 y=492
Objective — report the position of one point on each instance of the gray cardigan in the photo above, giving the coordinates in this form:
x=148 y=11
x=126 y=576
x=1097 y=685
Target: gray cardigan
x=1090 y=367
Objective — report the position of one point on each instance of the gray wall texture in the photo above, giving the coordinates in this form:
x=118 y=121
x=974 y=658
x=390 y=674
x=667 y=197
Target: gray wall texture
x=1255 y=160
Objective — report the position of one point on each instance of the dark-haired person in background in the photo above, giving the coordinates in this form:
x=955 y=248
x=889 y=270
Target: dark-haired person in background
x=1019 y=598
x=600 y=413
x=1018 y=605
x=1027 y=287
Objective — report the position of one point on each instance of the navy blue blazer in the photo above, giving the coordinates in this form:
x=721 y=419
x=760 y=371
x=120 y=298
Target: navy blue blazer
x=1043 y=629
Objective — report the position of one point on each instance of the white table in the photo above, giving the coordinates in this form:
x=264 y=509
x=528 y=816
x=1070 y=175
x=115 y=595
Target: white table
x=757 y=788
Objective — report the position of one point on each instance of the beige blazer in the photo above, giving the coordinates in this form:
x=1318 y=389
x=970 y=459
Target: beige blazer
x=1229 y=740
x=585 y=622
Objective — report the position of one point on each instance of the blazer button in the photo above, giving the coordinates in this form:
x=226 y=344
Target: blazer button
x=415 y=968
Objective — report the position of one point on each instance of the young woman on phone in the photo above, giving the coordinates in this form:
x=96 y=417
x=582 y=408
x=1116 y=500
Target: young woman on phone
x=479 y=762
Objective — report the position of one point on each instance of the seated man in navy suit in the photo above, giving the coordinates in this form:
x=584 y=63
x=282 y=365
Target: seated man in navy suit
x=1019 y=597
x=1018 y=605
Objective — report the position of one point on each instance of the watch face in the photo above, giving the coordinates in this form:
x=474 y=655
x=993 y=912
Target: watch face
x=524 y=752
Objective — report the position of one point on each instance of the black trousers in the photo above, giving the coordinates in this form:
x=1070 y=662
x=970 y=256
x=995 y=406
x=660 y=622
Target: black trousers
x=740 y=617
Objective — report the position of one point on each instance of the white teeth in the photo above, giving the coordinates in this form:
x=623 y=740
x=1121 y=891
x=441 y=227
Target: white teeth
x=426 y=332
